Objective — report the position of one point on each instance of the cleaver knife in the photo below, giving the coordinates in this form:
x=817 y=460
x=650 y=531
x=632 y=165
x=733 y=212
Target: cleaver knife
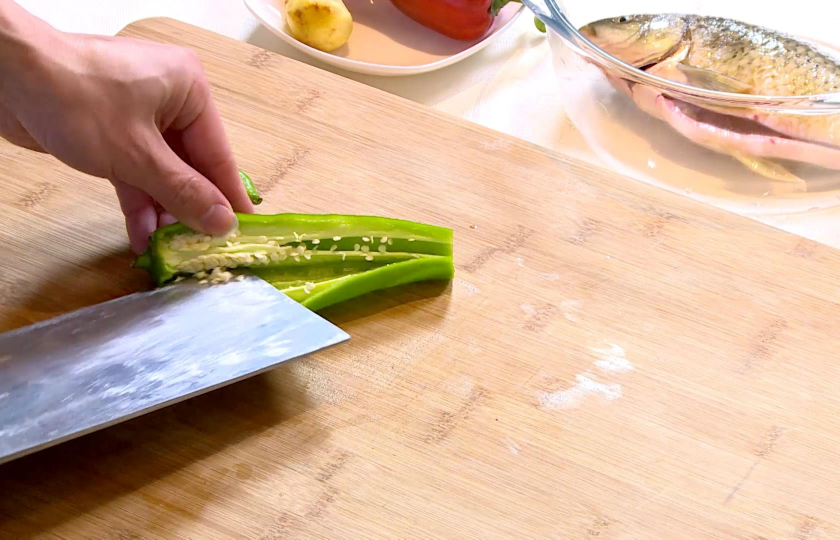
x=104 y=364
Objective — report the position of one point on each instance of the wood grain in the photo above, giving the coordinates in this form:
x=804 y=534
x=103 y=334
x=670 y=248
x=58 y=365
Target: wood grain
x=494 y=406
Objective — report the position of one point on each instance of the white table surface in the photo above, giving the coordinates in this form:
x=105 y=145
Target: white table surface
x=509 y=86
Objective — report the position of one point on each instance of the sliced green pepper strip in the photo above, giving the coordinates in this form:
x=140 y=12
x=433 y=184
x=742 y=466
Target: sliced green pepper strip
x=316 y=259
x=337 y=290
x=253 y=194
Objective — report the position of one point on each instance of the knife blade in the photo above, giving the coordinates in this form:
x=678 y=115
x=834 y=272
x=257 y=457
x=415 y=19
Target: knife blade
x=107 y=363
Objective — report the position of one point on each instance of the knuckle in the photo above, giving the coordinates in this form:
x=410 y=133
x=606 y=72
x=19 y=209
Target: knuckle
x=138 y=153
x=130 y=158
x=218 y=159
x=186 y=190
x=180 y=62
x=200 y=90
x=190 y=59
x=191 y=54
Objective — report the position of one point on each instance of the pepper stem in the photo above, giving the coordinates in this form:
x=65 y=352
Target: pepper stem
x=253 y=194
x=497 y=5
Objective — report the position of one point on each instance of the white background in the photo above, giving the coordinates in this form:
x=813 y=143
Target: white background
x=510 y=86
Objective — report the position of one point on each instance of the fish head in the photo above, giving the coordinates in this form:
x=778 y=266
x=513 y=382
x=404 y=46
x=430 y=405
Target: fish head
x=638 y=40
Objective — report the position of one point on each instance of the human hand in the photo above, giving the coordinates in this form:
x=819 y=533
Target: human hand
x=136 y=113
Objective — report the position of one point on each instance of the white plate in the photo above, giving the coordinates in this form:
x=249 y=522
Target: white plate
x=384 y=41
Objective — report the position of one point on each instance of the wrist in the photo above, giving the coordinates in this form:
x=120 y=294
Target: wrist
x=24 y=42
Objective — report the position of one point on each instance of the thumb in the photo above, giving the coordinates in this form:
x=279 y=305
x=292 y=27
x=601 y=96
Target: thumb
x=181 y=190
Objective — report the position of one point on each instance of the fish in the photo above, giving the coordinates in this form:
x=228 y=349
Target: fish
x=722 y=54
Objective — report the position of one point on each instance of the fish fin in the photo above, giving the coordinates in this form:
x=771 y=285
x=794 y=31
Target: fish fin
x=768 y=169
x=712 y=80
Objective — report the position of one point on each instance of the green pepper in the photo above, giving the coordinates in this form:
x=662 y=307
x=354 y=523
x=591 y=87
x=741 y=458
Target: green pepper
x=292 y=241
x=328 y=292
x=315 y=259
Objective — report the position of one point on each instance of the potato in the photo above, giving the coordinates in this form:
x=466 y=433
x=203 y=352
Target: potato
x=322 y=24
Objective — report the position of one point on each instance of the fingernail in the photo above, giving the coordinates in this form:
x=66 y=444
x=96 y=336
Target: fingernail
x=138 y=247
x=219 y=220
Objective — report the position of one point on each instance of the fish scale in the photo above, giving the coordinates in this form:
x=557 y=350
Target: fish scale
x=733 y=48
x=756 y=55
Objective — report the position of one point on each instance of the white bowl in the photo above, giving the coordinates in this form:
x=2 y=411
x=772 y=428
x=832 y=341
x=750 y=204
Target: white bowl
x=385 y=41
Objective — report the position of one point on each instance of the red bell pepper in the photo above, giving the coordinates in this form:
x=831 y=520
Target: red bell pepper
x=464 y=20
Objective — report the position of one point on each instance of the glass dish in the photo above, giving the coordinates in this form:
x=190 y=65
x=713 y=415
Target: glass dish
x=593 y=87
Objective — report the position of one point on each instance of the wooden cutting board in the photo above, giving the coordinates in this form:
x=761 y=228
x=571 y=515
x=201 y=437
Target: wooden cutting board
x=611 y=361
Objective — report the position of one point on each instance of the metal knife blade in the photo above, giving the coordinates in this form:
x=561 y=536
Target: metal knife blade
x=107 y=363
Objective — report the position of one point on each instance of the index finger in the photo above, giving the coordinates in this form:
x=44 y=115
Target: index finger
x=206 y=145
